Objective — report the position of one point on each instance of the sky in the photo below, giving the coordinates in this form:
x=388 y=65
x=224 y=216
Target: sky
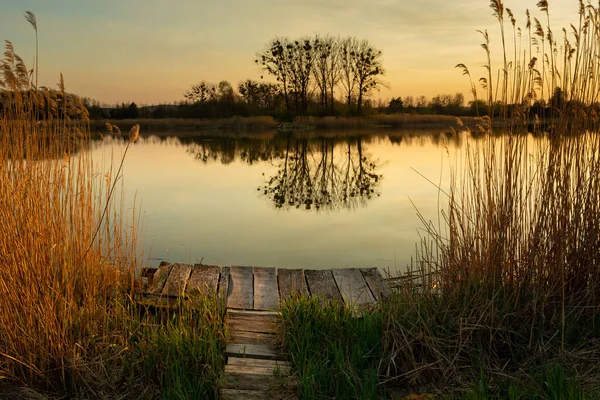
x=152 y=51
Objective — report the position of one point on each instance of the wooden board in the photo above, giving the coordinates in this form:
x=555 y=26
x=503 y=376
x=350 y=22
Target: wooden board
x=252 y=321
x=241 y=394
x=249 y=369
x=262 y=351
x=266 y=294
x=249 y=337
x=322 y=285
x=177 y=280
x=291 y=282
x=255 y=362
x=353 y=287
x=224 y=283
x=204 y=279
x=379 y=288
x=241 y=288
x=159 y=279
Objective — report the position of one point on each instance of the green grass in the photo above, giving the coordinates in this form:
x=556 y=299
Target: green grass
x=179 y=352
x=334 y=354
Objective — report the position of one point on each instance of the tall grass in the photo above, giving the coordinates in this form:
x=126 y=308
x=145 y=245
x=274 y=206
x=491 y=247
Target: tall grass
x=55 y=295
x=510 y=278
x=70 y=324
x=334 y=354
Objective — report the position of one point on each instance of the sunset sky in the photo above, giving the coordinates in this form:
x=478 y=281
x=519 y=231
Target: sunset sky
x=151 y=51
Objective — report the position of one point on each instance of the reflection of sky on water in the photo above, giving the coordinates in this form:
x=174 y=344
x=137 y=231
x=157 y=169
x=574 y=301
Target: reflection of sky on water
x=199 y=198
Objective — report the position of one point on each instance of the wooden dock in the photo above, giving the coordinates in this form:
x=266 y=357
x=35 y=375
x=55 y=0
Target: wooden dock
x=253 y=296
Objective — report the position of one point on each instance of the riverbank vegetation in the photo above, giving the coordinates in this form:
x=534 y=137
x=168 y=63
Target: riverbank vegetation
x=70 y=324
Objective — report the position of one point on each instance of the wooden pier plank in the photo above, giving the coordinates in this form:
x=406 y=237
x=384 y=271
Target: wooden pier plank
x=250 y=337
x=266 y=295
x=177 y=280
x=353 y=287
x=241 y=288
x=376 y=283
x=241 y=394
x=224 y=283
x=204 y=279
x=321 y=284
x=291 y=282
x=159 y=279
x=262 y=351
x=255 y=362
x=252 y=321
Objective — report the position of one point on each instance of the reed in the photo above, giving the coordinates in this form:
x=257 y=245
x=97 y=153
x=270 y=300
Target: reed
x=70 y=321
x=509 y=278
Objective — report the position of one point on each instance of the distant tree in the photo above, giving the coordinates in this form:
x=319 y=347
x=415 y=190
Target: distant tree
x=368 y=69
x=132 y=111
x=326 y=68
x=274 y=59
x=263 y=97
x=348 y=48
x=300 y=64
x=396 y=105
x=201 y=92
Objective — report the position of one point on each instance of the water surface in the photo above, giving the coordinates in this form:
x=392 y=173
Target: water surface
x=284 y=200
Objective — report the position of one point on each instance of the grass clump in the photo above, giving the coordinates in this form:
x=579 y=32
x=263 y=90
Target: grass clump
x=334 y=354
x=178 y=353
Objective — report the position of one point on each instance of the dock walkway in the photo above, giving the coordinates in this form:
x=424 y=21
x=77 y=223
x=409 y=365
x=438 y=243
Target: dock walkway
x=253 y=296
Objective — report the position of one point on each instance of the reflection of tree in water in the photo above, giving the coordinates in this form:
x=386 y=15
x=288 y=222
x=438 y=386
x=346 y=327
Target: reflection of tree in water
x=319 y=176
x=227 y=149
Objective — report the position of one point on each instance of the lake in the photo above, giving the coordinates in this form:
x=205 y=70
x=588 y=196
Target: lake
x=282 y=199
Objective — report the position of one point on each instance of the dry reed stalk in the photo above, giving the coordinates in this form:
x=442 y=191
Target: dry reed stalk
x=56 y=304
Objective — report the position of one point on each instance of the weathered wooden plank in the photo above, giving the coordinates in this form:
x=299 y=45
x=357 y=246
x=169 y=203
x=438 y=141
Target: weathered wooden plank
x=159 y=279
x=251 y=369
x=258 y=362
x=241 y=394
x=322 y=285
x=177 y=280
x=291 y=282
x=249 y=337
x=252 y=325
x=241 y=288
x=376 y=283
x=254 y=313
x=204 y=279
x=262 y=351
x=353 y=287
x=224 y=278
x=266 y=295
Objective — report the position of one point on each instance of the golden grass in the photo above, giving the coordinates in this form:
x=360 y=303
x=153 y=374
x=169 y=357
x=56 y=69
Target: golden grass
x=58 y=280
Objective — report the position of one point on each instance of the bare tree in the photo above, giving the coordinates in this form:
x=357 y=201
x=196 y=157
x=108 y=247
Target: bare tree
x=300 y=62
x=274 y=59
x=202 y=92
x=326 y=68
x=348 y=47
x=368 y=69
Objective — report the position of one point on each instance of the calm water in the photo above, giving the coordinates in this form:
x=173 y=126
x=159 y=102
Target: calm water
x=281 y=200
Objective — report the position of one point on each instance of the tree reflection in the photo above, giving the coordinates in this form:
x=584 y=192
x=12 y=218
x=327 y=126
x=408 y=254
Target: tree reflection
x=322 y=176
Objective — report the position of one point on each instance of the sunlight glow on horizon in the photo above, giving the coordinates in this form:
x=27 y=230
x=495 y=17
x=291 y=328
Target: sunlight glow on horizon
x=152 y=52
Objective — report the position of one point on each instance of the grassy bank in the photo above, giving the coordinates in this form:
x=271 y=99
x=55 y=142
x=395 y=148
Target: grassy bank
x=70 y=325
x=264 y=123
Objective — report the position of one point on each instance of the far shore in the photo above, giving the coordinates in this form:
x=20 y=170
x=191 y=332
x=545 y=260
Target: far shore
x=302 y=124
